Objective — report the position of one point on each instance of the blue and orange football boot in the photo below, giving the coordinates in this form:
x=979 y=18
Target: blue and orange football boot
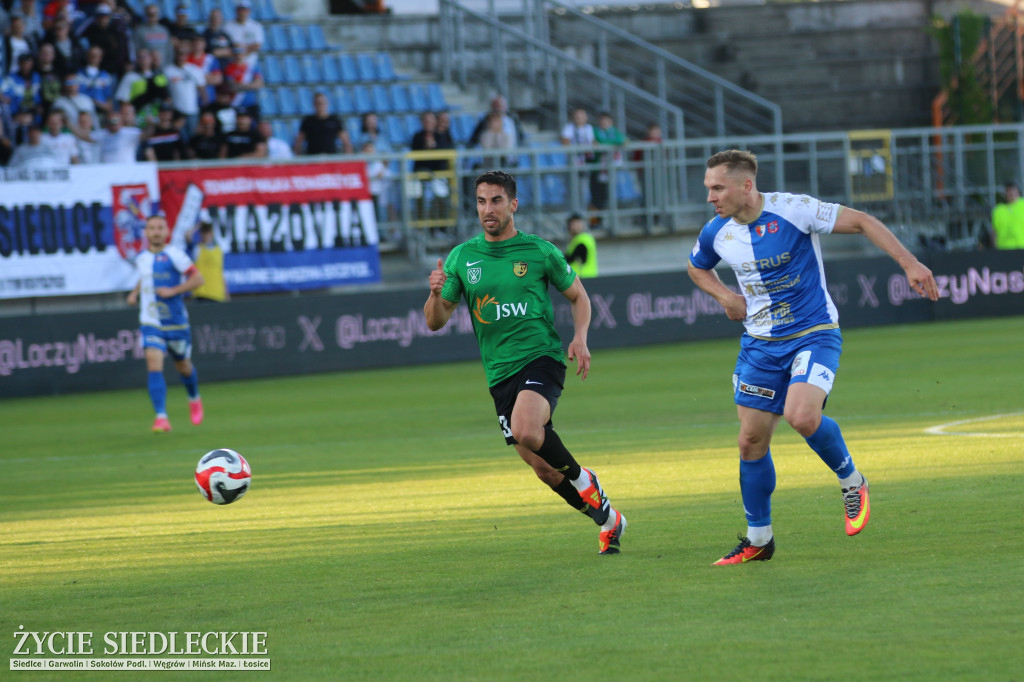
x=745 y=552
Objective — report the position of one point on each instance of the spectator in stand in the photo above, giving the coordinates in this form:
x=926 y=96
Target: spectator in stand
x=88 y=147
x=110 y=34
x=276 y=147
x=69 y=54
x=322 y=132
x=496 y=140
x=605 y=134
x=180 y=29
x=20 y=90
x=509 y=123
x=208 y=65
x=379 y=177
x=18 y=42
x=21 y=121
x=60 y=142
x=72 y=102
x=146 y=87
x=96 y=83
x=224 y=114
x=653 y=134
x=166 y=142
x=6 y=128
x=245 y=141
x=244 y=78
x=33 y=19
x=432 y=204
x=187 y=84
x=218 y=42
x=579 y=133
x=118 y=144
x=57 y=9
x=245 y=31
x=369 y=131
x=154 y=36
x=50 y=80
x=206 y=142
x=33 y=153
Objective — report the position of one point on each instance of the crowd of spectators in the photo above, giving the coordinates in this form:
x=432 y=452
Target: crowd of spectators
x=99 y=83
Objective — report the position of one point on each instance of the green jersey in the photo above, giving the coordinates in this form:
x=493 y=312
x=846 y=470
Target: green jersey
x=506 y=288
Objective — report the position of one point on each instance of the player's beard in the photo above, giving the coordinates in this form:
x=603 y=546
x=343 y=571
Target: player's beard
x=499 y=229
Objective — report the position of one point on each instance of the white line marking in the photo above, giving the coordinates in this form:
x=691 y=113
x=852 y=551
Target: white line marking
x=940 y=430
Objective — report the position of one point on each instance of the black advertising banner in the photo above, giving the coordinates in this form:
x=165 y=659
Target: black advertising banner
x=275 y=336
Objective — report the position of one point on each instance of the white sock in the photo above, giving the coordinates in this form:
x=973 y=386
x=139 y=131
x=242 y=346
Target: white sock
x=759 y=535
x=852 y=481
x=613 y=517
x=582 y=482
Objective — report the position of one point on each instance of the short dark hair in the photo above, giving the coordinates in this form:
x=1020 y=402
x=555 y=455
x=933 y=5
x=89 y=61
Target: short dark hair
x=496 y=177
x=734 y=159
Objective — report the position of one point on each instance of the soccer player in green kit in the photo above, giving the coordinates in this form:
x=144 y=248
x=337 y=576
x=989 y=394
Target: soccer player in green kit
x=504 y=275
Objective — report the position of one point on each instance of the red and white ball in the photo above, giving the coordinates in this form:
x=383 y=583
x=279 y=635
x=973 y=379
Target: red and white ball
x=223 y=476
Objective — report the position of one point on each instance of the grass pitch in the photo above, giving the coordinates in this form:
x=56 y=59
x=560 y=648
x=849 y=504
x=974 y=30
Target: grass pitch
x=390 y=535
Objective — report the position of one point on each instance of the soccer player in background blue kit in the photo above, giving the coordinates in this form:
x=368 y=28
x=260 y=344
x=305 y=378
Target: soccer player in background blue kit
x=790 y=352
x=166 y=273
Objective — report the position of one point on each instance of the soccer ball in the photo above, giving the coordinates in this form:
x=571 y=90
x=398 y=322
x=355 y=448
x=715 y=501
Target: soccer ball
x=223 y=476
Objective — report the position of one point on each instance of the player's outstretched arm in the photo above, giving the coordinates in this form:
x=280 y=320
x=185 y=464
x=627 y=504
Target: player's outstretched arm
x=708 y=280
x=437 y=310
x=852 y=221
x=578 y=350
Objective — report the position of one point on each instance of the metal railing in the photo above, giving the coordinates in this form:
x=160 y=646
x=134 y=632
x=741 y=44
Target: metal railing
x=478 y=48
x=929 y=185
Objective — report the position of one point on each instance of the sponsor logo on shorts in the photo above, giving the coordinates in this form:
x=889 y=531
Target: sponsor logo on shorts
x=758 y=391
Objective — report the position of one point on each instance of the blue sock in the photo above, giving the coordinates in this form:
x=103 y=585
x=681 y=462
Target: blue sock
x=828 y=442
x=757 y=483
x=158 y=392
x=191 y=383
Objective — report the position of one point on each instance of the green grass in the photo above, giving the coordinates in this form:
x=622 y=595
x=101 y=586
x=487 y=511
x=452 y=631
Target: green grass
x=390 y=535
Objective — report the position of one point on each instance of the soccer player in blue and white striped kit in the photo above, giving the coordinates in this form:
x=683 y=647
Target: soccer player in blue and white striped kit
x=166 y=274
x=790 y=351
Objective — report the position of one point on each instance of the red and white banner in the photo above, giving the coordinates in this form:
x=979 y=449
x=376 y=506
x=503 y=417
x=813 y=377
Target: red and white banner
x=282 y=227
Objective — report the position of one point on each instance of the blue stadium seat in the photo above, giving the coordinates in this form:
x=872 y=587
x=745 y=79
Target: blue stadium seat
x=268 y=102
x=417 y=98
x=292 y=70
x=399 y=97
x=305 y=97
x=267 y=10
x=317 y=41
x=273 y=73
x=311 y=69
x=167 y=8
x=342 y=102
x=412 y=125
x=362 y=98
x=381 y=99
x=297 y=37
x=394 y=128
x=367 y=67
x=280 y=128
x=435 y=97
x=347 y=67
x=385 y=67
x=289 y=106
x=205 y=7
x=461 y=129
x=277 y=38
x=329 y=68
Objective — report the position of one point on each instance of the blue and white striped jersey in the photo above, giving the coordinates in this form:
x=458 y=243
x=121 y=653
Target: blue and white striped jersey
x=778 y=265
x=168 y=268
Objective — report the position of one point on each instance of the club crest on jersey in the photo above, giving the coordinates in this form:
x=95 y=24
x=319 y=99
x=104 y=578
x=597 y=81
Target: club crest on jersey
x=759 y=230
x=773 y=227
x=519 y=268
x=474 y=274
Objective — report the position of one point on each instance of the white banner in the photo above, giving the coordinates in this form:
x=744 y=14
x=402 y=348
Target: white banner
x=75 y=230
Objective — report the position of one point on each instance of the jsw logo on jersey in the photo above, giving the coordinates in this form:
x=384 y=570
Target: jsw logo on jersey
x=481 y=311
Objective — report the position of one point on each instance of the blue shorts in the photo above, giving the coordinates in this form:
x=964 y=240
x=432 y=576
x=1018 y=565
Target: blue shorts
x=177 y=343
x=765 y=369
